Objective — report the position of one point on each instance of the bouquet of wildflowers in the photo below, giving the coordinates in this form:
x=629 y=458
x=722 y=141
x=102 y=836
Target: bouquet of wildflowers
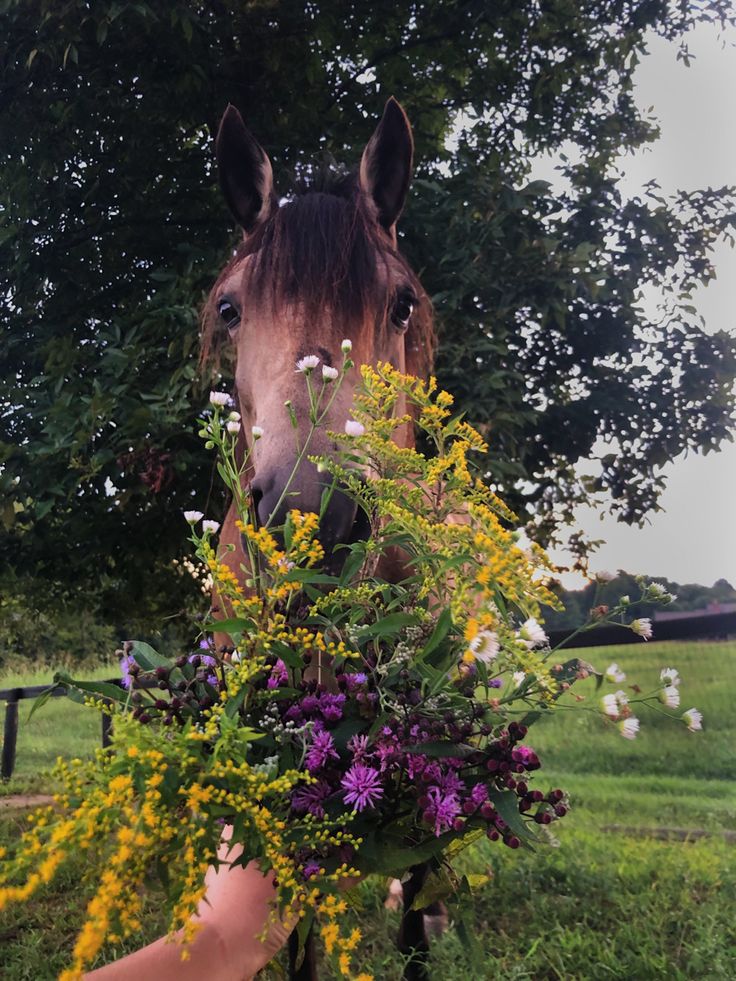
x=354 y=726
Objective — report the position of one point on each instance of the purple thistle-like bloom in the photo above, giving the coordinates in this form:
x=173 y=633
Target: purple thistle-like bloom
x=479 y=794
x=443 y=808
x=321 y=750
x=310 y=869
x=279 y=675
x=213 y=680
x=358 y=746
x=354 y=680
x=495 y=683
x=309 y=799
x=415 y=765
x=206 y=660
x=330 y=706
x=450 y=783
x=363 y=786
x=126 y=663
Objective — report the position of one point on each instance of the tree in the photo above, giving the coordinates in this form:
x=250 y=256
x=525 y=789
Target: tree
x=112 y=227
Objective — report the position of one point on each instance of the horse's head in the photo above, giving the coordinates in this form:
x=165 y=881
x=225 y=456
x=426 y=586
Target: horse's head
x=312 y=270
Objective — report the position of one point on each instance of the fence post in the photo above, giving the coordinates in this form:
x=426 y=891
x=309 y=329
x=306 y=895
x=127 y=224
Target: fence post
x=10 y=734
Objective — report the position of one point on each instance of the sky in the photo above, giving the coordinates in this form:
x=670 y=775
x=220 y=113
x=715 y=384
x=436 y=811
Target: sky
x=693 y=538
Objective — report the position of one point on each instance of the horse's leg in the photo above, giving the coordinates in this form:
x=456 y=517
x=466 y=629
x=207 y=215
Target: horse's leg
x=307 y=970
x=413 y=942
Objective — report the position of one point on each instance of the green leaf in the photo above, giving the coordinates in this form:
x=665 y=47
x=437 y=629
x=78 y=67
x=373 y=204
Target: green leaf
x=387 y=626
x=441 y=630
x=104 y=688
x=40 y=701
x=147 y=657
x=437 y=886
x=507 y=804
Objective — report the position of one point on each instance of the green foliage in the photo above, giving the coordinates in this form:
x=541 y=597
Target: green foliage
x=578 y=603
x=111 y=229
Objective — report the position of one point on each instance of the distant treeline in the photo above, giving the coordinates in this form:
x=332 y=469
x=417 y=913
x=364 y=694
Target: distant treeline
x=578 y=603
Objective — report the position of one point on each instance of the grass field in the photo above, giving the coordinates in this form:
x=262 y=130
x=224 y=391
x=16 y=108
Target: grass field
x=600 y=904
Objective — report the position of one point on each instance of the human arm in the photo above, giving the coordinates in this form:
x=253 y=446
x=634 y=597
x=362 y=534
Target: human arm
x=232 y=917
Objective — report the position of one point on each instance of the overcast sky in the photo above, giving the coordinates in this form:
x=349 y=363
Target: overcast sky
x=694 y=538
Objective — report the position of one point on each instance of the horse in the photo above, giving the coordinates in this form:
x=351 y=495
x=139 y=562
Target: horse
x=312 y=270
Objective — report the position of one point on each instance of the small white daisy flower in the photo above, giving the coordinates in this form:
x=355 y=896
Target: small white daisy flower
x=256 y=431
x=670 y=676
x=192 y=517
x=485 y=646
x=629 y=727
x=347 y=346
x=328 y=373
x=614 y=674
x=210 y=527
x=234 y=417
x=605 y=576
x=642 y=627
x=670 y=696
x=532 y=633
x=622 y=698
x=219 y=398
x=353 y=428
x=518 y=678
x=235 y=657
x=232 y=427
x=610 y=706
x=308 y=364
x=693 y=719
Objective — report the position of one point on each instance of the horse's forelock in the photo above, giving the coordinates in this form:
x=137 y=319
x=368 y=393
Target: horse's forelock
x=324 y=251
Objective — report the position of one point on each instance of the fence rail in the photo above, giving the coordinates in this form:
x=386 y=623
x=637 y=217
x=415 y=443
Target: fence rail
x=697 y=627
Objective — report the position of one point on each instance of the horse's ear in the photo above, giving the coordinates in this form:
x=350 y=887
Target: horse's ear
x=385 y=168
x=246 y=176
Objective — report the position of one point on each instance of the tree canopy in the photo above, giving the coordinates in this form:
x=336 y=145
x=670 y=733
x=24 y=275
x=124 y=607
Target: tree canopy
x=112 y=228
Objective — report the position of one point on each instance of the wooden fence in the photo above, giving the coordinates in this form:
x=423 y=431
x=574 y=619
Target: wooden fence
x=697 y=627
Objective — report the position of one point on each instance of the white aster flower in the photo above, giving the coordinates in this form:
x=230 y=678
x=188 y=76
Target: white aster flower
x=614 y=674
x=192 y=517
x=347 y=346
x=669 y=676
x=235 y=657
x=219 y=398
x=232 y=427
x=532 y=633
x=622 y=698
x=210 y=527
x=518 y=678
x=693 y=719
x=353 y=428
x=605 y=576
x=610 y=706
x=629 y=727
x=308 y=364
x=642 y=627
x=670 y=696
x=234 y=417
x=256 y=431
x=656 y=590
x=328 y=373
x=485 y=646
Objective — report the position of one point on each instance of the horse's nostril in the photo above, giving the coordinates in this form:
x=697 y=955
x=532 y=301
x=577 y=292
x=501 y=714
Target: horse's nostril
x=256 y=496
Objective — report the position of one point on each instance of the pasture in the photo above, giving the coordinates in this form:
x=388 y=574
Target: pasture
x=596 y=904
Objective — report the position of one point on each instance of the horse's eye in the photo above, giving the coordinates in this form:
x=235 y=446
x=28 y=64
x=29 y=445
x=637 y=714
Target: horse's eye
x=402 y=311
x=228 y=314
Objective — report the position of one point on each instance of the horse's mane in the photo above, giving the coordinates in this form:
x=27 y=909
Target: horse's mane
x=322 y=249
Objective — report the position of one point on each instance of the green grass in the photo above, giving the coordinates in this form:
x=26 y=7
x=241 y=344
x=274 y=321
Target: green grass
x=597 y=905
x=60 y=728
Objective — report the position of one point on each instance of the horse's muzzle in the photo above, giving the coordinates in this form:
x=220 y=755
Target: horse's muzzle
x=342 y=522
